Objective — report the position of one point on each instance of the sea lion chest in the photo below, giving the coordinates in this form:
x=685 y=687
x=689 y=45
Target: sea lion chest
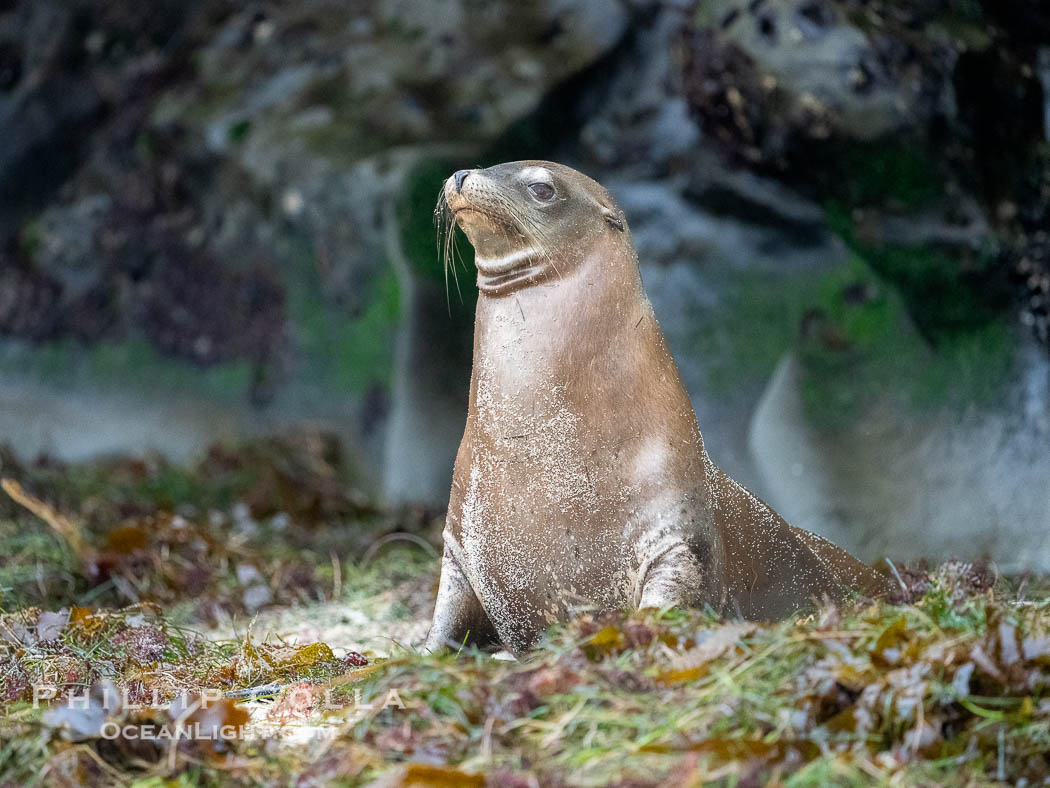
x=542 y=523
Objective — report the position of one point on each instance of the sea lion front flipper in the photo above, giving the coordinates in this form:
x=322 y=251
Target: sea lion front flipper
x=682 y=576
x=459 y=618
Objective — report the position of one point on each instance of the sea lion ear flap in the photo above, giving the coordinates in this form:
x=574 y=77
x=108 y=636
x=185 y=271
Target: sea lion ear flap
x=612 y=217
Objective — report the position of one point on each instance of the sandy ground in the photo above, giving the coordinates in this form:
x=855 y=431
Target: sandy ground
x=378 y=625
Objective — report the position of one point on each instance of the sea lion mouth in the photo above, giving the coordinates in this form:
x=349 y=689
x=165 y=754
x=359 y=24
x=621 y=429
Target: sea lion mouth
x=499 y=224
x=486 y=212
x=508 y=247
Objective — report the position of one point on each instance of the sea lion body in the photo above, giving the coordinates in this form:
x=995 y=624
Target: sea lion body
x=582 y=480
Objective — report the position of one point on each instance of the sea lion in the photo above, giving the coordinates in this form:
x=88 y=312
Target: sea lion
x=582 y=479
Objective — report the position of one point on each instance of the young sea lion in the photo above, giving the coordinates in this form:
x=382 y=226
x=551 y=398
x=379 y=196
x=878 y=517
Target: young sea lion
x=582 y=477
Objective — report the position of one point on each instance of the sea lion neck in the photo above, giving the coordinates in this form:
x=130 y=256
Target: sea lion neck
x=552 y=330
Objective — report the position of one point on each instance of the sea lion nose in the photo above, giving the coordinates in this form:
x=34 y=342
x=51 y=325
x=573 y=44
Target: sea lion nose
x=460 y=176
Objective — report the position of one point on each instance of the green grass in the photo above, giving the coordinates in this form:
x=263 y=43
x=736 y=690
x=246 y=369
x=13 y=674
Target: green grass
x=771 y=701
x=950 y=688
x=949 y=684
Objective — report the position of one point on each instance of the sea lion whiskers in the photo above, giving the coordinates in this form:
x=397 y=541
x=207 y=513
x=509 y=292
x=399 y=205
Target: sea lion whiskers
x=522 y=225
x=529 y=228
x=533 y=231
x=544 y=240
x=442 y=216
x=450 y=255
x=445 y=224
x=457 y=256
x=504 y=227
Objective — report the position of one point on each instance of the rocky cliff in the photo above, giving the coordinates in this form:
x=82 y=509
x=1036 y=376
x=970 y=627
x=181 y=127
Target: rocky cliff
x=216 y=218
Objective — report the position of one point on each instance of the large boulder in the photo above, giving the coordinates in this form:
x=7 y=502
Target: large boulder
x=910 y=483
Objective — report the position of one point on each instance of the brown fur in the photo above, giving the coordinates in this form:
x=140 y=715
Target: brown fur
x=582 y=479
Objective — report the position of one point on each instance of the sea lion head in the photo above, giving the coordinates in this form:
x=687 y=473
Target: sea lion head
x=528 y=221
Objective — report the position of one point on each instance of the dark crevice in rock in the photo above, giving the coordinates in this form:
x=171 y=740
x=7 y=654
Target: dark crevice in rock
x=550 y=128
x=721 y=201
x=28 y=300
x=10 y=65
x=1001 y=110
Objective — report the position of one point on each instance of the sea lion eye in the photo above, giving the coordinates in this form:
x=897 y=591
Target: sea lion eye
x=542 y=191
